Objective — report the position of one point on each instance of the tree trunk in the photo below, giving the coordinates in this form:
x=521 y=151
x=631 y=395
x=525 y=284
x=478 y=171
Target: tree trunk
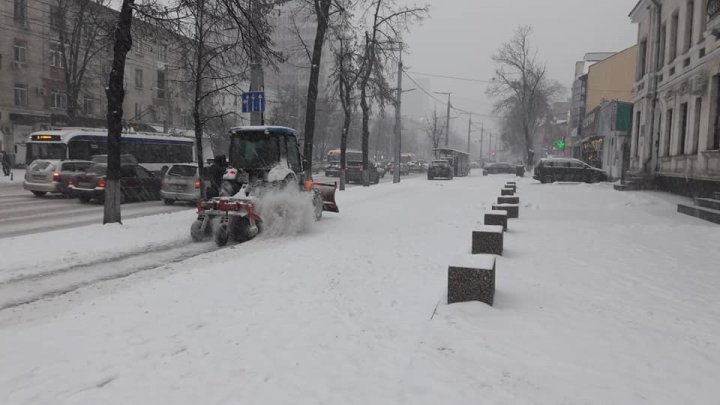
x=197 y=118
x=115 y=96
x=322 y=10
x=365 y=107
x=343 y=144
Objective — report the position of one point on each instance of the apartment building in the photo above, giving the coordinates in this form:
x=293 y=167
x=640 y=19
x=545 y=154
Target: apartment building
x=33 y=88
x=676 y=134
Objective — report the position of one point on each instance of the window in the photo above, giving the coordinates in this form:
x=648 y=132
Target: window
x=55 y=17
x=696 y=131
x=663 y=43
x=138 y=78
x=20 y=10
x=139 y=46
x=674 y=36
x=160 y=84
x=293 y=155
x=683 y=128
x=58 y=99
x=88 y=106
x=56 y=56
x=21 y=98
x=20 y=52
x=668 y=132
x=642 y=59
x=689 y=22
x=162 y=53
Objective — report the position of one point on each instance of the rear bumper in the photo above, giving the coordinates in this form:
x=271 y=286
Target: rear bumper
x=53 y=187
x=95 y=193
x=180 y=196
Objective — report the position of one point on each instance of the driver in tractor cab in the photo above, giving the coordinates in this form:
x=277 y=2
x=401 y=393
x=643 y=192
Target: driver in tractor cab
x=216 y=171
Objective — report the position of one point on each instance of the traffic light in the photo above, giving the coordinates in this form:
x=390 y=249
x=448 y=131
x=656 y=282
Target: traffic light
x=560 y=144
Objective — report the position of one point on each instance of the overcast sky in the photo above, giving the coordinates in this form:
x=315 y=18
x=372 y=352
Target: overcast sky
x=461 y=36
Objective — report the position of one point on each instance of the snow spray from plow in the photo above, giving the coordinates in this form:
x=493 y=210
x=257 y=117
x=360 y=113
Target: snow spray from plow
x=285 y=212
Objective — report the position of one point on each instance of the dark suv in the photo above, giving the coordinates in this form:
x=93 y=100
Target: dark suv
x=354 y=172
x=440 y=168
x=567 y=169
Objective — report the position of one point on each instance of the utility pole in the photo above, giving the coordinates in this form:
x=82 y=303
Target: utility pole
x=469 y=131
x=482 y=135
x=398 y=122
x=257 y=76
x=447 y=124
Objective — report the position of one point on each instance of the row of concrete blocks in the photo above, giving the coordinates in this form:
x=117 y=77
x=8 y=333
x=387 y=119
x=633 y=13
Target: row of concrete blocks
x=472 y=277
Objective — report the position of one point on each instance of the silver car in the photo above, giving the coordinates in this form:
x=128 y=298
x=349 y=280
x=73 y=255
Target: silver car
x=51 y=176
x=181 y=182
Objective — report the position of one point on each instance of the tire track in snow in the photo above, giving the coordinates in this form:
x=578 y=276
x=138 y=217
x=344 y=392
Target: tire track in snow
x=25 y=290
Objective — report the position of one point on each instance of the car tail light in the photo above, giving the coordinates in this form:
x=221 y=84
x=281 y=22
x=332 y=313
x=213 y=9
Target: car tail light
x=56 y=176
x=101 y=182
x=197 y=184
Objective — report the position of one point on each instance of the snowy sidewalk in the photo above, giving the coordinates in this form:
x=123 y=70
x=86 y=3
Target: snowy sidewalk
x=603 y=297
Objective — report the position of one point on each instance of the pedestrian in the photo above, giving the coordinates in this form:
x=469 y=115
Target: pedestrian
x=5 y=158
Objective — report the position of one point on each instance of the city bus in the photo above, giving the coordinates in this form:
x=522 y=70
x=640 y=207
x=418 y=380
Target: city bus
x=151 y=150
x=460 y=161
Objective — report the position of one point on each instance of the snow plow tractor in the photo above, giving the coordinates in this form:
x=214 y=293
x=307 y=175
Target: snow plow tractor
x=262 y=161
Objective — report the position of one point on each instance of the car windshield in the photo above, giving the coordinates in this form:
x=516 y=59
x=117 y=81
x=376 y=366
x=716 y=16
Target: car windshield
x=183 y=171
x=254 y=150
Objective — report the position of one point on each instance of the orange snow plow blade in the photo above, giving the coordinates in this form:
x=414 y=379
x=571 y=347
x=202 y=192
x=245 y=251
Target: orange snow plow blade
x=327 y=191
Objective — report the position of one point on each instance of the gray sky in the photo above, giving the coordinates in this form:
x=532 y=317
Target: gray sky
x=461 y=36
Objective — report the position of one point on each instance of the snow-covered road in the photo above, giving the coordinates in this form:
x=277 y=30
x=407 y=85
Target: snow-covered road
x=603 y=297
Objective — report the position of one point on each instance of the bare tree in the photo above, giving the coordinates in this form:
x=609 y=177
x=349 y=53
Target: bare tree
x=381 y=41
x=82 y=31
x=523 y=90
x=434 y=129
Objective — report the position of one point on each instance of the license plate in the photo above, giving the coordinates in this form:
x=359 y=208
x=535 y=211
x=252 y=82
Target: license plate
x=38 y=176
x=178 y=187
x=84 y=185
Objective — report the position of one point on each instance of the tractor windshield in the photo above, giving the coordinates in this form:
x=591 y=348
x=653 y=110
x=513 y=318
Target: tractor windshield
x=254 y=150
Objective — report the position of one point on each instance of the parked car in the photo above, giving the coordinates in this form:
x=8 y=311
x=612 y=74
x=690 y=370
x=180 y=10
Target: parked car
x=51 y=176
x=353 y=174
x=181 y=182
x=474 y=165
x=440 y=168
x=567 y=169
x=499 y=167
x=332 y=169
x=136 y=183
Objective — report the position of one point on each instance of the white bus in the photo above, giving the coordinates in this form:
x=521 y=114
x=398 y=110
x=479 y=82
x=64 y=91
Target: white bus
x=152 y=150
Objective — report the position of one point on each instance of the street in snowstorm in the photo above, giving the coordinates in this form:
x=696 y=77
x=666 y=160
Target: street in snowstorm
x=359 y=202
x=364 y=291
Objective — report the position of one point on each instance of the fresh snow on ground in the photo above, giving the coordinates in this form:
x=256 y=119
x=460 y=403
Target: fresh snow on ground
x=602 y=297
x=17 y=177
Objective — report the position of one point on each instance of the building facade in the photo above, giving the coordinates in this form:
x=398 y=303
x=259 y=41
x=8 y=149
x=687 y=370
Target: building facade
x=33 y=87
x=676 y=136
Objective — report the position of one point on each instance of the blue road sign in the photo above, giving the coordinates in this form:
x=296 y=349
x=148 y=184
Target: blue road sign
x=253 y=101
